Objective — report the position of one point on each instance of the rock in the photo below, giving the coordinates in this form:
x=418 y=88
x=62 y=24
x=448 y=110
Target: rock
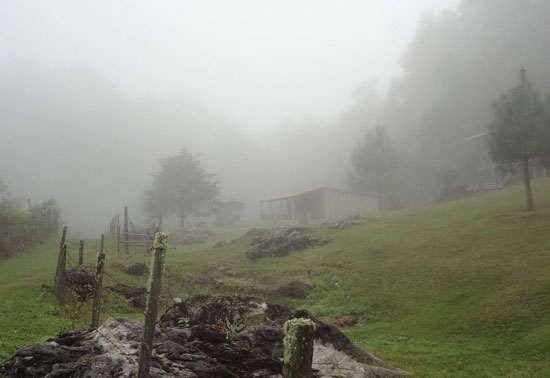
x=135 y=294
x=217 y=326
x=332 y=363
x=195 y=235
x=294 y=289
x=282 y=242
x=81 y=280
x=137 y=269
x=253 y=236
x=222 y=244
x=228 y=268
x=191 y=239
x=347 y=222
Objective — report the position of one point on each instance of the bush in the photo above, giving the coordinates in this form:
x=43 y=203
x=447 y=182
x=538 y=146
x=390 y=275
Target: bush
x=20 y=227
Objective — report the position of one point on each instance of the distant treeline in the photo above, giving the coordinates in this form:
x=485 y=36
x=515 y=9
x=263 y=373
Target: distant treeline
x=23 y=224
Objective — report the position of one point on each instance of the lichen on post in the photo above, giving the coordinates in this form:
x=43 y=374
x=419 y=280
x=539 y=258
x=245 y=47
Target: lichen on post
x=153 y=286
x=98 y=284
x=298 y=347
x=60 y=271
x=161 y=240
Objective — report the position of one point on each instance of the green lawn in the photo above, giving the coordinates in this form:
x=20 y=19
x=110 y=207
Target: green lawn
x=453 y=289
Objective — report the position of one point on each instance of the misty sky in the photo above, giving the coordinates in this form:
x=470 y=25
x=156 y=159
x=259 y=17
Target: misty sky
x=258 y=62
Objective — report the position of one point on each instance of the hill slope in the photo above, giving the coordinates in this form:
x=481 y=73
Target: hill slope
x=452 y=289
x=457 y=288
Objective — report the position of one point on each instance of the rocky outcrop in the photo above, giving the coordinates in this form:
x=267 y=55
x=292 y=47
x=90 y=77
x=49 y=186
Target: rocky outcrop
x=81 y=280
x=137 y=296
x=242 y=335
x=281 y=242
x=136 y=269
x=347 y=222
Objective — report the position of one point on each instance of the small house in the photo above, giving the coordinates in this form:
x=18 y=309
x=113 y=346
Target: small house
x=317 y=205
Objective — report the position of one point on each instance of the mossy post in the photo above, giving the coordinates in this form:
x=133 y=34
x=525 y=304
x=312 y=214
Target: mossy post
x=125 y=231
x=153 y=286
x=118 y=240
x=118 y=234
x=298 y=348
x=98 y=284
x=60 y=272
x=81 y=253
x=160 y=222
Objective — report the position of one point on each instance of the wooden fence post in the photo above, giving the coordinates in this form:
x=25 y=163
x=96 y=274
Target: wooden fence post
x=118 y=240
x=146 y=344
x=97 y=285
x=60 y=272
x=160 y=222
x=81 y=253
x=298 y=348
x=125 y=231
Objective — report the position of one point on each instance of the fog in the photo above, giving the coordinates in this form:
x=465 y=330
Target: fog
x=274 y=96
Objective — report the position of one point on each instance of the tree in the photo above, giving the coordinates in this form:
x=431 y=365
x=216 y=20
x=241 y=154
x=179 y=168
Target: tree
x=518 y=115
x=20 y=227
x=456 y=64
x=374 y=162
x=227 y=213
x=181 y=187
x=544 y=137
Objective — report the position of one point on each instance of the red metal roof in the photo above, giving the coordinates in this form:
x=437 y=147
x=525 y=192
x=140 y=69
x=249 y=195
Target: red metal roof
x=288 y=195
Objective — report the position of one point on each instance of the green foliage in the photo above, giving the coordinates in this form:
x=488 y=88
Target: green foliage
x=28 y=310
x=374 y=162
x=517 y=127
x=20 y=227
x=517 y=120
x=227 y=212
x=453 y=289
x=544 y=137
x=184 y=322
x=181 y=187
x=458 y=61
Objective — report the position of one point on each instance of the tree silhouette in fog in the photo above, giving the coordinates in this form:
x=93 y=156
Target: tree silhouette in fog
x=181 y=187
x=374 y=162
x=518 y=116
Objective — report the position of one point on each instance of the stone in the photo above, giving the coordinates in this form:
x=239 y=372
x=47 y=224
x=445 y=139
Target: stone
x=137 y=269
x=231 y=329
x=281 y=242
x=222 y=244
x=296 y=289
x=135 y=294
x=81 y=280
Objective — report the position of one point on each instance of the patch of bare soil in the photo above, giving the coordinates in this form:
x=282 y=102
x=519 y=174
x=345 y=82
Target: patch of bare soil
x=341 y=321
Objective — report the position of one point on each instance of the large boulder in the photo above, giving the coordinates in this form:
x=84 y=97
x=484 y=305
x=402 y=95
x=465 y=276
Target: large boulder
x=297 y=289
x=137 y=269
x=201 y=337
x=281 y=242
x=81 y=280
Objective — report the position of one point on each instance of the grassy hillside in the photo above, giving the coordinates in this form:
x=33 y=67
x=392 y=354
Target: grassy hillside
x=454 y=289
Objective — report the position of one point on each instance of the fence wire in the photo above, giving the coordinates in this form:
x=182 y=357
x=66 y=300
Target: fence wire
x=225 y=331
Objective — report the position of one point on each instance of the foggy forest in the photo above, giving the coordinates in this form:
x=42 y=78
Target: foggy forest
x=423 y=125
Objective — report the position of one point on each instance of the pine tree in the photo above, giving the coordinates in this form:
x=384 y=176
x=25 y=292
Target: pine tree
x=374 y=162
x=517 y=122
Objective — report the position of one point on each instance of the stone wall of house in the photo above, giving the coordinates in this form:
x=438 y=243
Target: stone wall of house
x=341 y=204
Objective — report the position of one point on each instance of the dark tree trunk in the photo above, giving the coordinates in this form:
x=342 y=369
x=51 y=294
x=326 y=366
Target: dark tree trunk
x=527 y=181
x=160 y=222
